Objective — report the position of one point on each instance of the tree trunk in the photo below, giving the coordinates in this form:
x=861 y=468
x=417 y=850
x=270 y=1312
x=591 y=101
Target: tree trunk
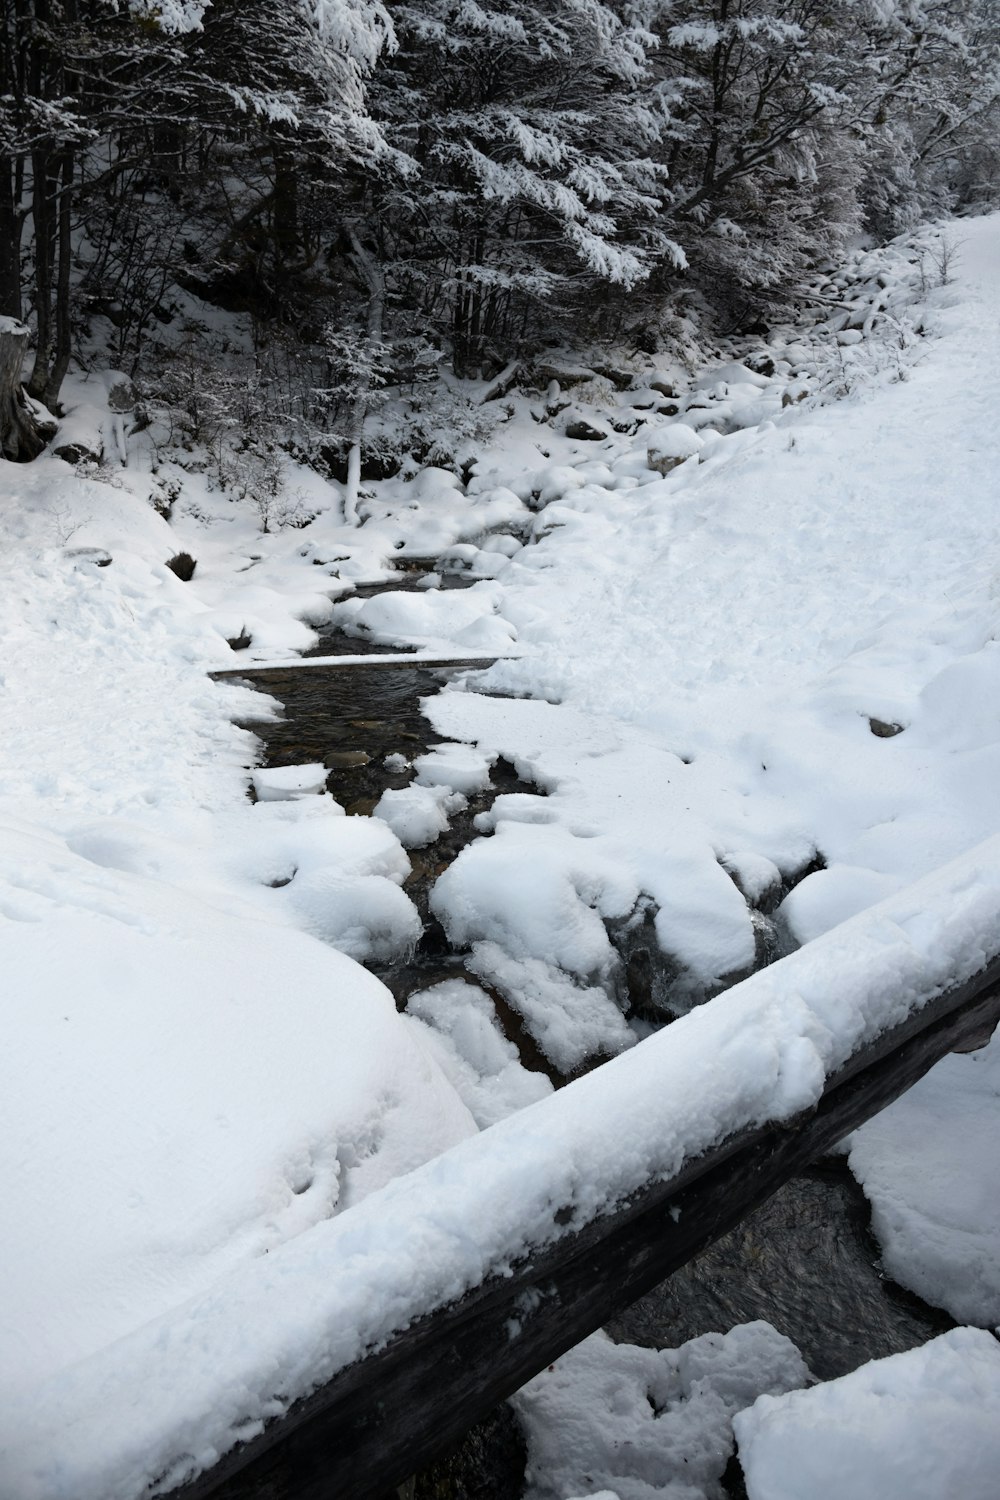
x=10 y=239
x=21 y=436
x=371 y=274
x=63 y=327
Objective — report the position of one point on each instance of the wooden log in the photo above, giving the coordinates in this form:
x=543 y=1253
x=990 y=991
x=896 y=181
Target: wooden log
x=393 y=1412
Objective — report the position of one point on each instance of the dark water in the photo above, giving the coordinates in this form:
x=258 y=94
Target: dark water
x=806 y=1262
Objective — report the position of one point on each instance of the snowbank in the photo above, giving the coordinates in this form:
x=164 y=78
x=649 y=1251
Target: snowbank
x=931 y=1168
x=918 y=1426
x=171 y=1396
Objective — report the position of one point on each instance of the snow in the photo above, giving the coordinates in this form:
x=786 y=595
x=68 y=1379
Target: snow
x=172 y=1394
x=285 y=783
x=930 y=1167
x=288 y=1171
x=211 y=1087
x=461 y=1030
x=644 y=1423
x=189 y=1079
x=418 y=814
x=917 y=1426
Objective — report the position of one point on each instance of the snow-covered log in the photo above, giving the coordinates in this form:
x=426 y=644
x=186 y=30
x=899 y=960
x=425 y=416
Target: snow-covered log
x=396 y=1410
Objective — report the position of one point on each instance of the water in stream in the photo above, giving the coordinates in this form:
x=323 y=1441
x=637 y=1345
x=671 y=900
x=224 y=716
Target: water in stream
x=805 y=1261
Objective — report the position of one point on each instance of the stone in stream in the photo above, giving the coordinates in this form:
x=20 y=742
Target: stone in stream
x=346 y=760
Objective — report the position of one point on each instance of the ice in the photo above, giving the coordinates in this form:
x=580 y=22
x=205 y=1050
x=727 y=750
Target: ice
x=918 y=1426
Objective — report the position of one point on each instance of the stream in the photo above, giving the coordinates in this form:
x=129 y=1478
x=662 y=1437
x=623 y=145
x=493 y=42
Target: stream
x=805 y=1261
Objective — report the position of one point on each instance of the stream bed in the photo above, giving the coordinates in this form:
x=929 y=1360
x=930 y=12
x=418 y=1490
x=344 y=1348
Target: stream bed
x=805 y=1261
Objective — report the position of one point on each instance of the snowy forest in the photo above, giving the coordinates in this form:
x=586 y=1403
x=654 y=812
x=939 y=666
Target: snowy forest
x=500 y=752
x=396 y=192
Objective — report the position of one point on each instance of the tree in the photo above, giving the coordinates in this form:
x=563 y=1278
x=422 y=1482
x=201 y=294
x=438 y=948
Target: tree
x=524 y=176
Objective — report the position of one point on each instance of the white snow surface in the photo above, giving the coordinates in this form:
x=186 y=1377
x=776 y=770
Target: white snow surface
x=918 y=1426
x=931 y=1166
x=230 y=1167
x=173 y=1394
x=648 y=1424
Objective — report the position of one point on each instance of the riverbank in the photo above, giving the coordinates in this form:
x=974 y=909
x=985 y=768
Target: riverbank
x=762 y=687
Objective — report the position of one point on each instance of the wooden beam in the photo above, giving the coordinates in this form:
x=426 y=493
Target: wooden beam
x=393 y=1412
x=378 y=661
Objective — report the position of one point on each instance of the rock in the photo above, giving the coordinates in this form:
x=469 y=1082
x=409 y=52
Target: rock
x=620 y=379
x=240 y=642
x=664 y=388
x=566 y=374
x=673 y=446
x=346 y=760
x=96 y=555
x=582 y=432
x=884 y=730
x=183 y=565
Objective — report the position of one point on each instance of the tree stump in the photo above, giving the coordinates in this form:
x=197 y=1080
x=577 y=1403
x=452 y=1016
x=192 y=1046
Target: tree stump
x=22 y=437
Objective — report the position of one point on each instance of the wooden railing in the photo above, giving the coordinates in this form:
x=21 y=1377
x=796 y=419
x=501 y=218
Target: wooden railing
x=382 y=1419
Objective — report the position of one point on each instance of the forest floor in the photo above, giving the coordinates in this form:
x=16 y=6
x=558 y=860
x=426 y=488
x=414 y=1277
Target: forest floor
x=746 y=633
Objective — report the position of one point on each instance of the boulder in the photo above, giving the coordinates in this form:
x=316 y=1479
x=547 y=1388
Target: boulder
x=673 y=446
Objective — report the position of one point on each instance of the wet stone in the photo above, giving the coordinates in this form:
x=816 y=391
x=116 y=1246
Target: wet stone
x=345 y=760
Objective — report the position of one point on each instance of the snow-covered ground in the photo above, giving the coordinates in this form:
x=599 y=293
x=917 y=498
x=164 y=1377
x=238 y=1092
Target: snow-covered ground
x=196 y=1072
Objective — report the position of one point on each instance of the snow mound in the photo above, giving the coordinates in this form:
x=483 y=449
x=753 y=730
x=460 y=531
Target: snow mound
x=284 y=783
x=459 y=1024
x=917 y=1426
x=418 y=815
x=929 y=1164
x=644 y=1424
x=188 y=1089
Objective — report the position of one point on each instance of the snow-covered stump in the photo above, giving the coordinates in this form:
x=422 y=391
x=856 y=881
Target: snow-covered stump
x=22 y=437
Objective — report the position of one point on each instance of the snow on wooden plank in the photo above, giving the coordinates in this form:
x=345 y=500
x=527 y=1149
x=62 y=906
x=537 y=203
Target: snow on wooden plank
x=376 y=659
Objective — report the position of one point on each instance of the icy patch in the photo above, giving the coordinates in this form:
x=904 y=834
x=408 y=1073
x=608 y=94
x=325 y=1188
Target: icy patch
x=648 y=1424
x=918 y=1426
